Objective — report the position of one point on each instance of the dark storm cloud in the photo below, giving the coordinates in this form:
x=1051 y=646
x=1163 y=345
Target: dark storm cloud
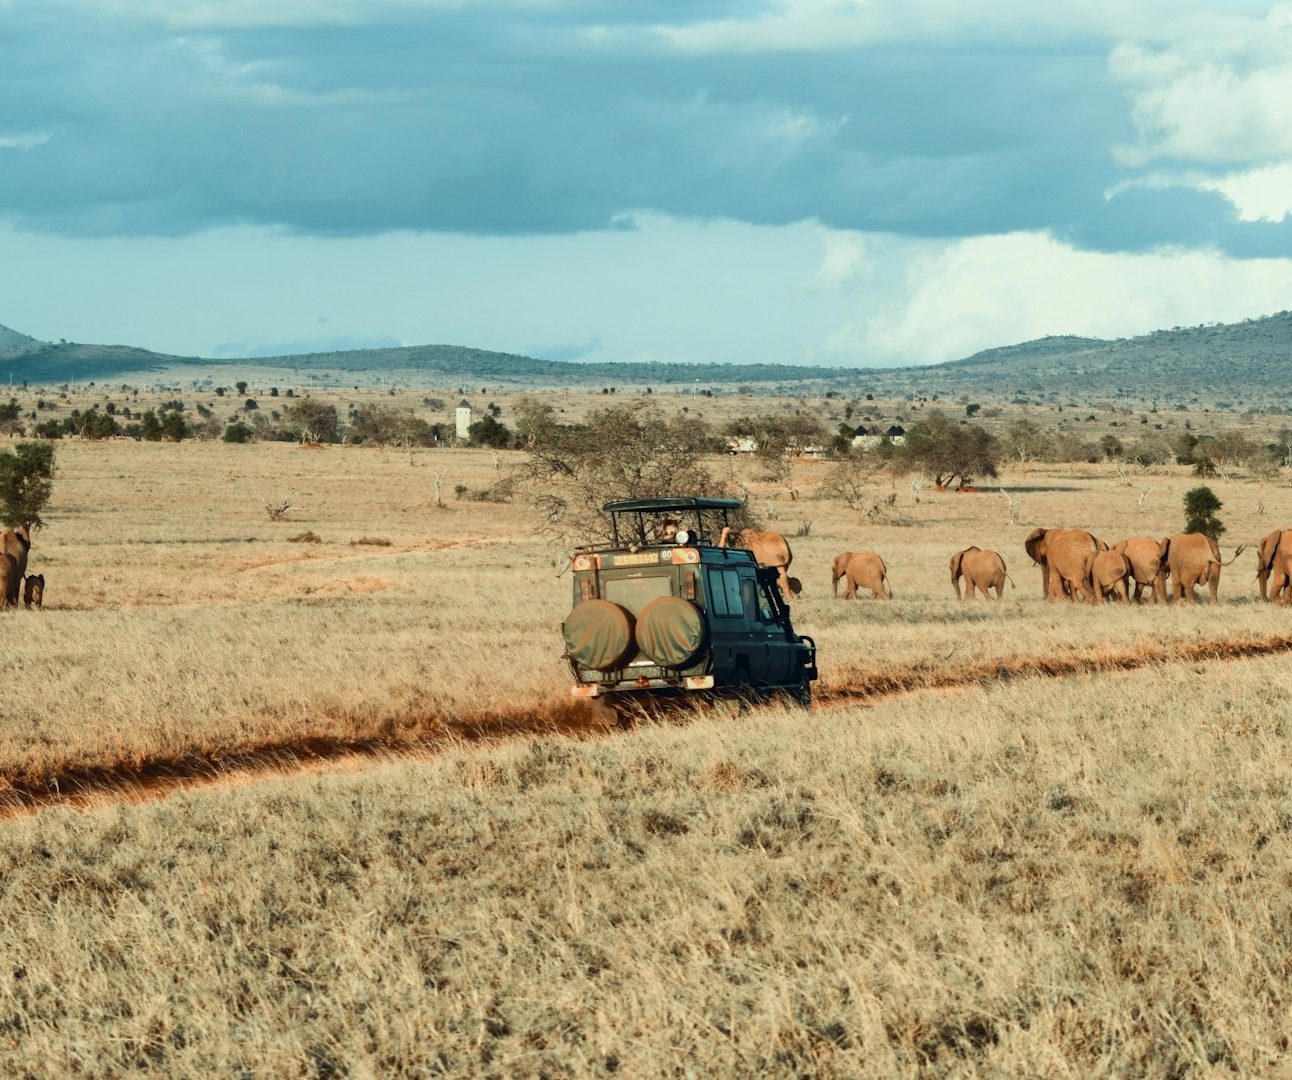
x=489 y=121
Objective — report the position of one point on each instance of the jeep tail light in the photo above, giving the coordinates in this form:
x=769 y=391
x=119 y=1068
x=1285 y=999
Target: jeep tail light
x=587 y=589
x=685 y=555
x=688 y=585
x=585 y=562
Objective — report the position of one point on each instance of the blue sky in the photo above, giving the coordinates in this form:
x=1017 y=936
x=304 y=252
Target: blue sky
x=821 y=181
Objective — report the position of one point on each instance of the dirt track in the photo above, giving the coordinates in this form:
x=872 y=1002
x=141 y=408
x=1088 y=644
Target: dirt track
x=156 y=778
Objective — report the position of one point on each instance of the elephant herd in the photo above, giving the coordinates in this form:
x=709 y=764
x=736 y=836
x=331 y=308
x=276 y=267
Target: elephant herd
x=14 y=547
x=1075 y=565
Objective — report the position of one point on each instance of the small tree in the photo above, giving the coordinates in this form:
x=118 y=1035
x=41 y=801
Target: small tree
x=173 y=426
x=26 y=483
x=1200 y=507
x=490 y=432
x=238 y=432
x=946 y=450
x=150 y=428
x=312 y=421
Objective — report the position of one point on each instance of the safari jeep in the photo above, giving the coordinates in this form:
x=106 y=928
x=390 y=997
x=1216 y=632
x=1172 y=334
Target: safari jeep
x=665 y=608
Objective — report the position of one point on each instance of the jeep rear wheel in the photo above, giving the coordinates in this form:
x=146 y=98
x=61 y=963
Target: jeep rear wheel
x=670 y=631
x=599 y=635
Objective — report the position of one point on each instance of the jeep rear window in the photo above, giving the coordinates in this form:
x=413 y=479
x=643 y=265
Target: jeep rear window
x=636 y=592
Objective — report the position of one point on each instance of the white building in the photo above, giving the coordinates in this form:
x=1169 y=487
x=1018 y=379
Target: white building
x=463 y=417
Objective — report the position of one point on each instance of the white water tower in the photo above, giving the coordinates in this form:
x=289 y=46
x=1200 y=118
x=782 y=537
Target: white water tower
x=463 y=426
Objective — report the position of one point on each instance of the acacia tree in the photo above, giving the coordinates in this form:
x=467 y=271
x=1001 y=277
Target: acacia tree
x=947 y=450
x=623 y=452
x=1200 y=508
x=26 y=483
x=312 y=421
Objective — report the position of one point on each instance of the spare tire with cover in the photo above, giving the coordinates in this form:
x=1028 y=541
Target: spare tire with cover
x=670 y=631
x=599 y=635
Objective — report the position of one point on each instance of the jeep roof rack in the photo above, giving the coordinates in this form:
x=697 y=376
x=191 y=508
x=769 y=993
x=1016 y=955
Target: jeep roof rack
x=651 y=506
x=643 y=508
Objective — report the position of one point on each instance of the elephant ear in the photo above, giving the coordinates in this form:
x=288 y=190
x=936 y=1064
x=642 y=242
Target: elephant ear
x=1269 y=546
x=1035 y=545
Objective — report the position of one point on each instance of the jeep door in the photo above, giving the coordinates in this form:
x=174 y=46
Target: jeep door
x=739 y=643
x=781 y=652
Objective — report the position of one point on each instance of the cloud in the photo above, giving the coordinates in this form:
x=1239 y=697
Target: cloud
x=925 y=119
x=1263 y=194
x=988 y=291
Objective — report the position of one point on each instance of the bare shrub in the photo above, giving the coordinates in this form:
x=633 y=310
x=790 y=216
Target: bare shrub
x=371 y=541
x=627 y=451
x=277 y=511
x=307 y=537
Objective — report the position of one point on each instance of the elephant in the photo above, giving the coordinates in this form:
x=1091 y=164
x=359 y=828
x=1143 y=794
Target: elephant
x=8 y=575
x=1147 y=559
x=864 y=569
x=1194 y=558
x=16 y=543
x=1066 y=557
x=770 y=549
x=1109 y=573
x=982 y=570
x=33 y=594
x=1274 y=566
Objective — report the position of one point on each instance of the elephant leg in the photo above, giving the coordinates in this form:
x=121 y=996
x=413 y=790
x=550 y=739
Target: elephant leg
x=1123 y=593
x=1213 y=583
x=1055 y=590
x=850 y=589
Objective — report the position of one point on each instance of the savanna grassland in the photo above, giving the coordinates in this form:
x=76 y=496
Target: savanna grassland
x=973 y=857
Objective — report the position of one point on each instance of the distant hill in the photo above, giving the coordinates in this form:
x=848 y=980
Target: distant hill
x=44 y=362
x=11 y=339
x=1226 y=365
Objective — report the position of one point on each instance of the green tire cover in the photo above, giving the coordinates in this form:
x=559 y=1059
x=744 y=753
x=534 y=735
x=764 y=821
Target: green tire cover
x=599 y=634
x=670 y=631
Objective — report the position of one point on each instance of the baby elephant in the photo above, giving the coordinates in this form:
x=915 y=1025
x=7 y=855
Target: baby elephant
x=982 y=570
x=1110 y=571
x=33 y=594
x=864 y=569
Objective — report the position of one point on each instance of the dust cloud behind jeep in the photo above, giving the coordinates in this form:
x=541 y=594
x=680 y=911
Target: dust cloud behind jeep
x=663 y=608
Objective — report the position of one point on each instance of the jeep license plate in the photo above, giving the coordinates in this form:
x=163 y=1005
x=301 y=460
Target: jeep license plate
x=641 y=558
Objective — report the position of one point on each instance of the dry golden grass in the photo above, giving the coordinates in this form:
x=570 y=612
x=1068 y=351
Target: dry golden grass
x=1045 y=878
x=180 y=619
x=1057 y=875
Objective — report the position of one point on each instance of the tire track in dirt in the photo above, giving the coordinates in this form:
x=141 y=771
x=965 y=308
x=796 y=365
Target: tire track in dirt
x=147 y=779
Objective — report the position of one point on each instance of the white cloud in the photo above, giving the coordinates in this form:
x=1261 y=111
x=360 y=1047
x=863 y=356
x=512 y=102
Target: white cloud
x=843 y=260
x=25 y=140
x=826 y=25
x=996 y=290
x=1258 y=195
x=1222 y=98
